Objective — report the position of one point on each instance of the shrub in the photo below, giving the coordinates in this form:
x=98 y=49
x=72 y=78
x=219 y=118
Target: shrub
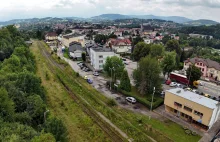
x=77 y=74
x=111 y=103
x=188 y=132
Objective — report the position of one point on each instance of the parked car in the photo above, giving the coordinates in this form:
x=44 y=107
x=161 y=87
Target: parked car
x=79 y=63
x=87 y=69
x=173 y=84
x=89 y=81
x=131 y=99
x=85 y=77
x=96 y=73
x=126 y=63
x=162 y=94
x=168 y=82
x=179 y=85
x=123 y=59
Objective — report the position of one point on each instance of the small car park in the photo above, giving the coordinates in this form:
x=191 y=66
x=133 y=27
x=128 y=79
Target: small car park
x=131 y=100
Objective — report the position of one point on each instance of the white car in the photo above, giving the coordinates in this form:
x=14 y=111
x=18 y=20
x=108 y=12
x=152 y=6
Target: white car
x=96 y=73
x=173 y=84
x=131 y=100
x=179 y=85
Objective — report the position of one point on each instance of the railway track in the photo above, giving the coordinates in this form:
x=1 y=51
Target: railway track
x=107 y=128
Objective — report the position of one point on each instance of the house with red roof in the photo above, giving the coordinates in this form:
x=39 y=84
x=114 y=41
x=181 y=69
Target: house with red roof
x=119 y=46
x=209 y=68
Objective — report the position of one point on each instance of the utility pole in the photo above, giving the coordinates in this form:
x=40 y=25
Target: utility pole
x=152 y=101
x=45 y=113
x=111 y=77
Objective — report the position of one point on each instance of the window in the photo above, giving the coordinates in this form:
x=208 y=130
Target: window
x=100 y=61
x=100 y=66
x=187 y=109
x=200 y=64
x=202 y=69
x=100 y=56
x=177 y=104
x=198 y=113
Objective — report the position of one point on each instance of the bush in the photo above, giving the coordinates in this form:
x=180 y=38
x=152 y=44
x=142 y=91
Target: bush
x=188 y=132
x=77 y=74
x=111 y=103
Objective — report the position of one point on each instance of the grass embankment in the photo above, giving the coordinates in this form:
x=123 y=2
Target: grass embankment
x=137 y=126
x=80 y=126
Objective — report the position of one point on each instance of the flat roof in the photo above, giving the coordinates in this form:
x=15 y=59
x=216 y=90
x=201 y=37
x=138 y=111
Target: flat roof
x=191 y=96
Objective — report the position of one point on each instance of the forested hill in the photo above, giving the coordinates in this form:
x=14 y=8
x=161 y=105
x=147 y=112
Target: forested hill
x=22 y=98
x=213 y=30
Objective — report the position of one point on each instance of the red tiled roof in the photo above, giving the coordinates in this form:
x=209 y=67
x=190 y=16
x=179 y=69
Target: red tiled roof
x=115 y=42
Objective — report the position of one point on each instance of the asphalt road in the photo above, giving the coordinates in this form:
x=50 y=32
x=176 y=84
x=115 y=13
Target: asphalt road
x=210 y=88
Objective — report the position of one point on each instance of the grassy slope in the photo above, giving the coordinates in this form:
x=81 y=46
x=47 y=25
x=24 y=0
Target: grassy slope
x=126 y=120
x=79 y=125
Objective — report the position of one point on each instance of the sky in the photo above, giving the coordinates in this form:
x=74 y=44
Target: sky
x=194 y=9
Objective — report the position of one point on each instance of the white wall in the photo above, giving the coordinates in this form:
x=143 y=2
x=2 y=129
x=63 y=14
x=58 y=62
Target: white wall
x=95 y=58
x=215 y=115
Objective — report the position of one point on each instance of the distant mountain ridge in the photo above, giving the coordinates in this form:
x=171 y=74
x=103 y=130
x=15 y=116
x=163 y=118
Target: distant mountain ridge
x=201 y=22
x=176 y=19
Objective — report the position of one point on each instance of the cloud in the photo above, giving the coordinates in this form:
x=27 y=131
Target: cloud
x=195 y=9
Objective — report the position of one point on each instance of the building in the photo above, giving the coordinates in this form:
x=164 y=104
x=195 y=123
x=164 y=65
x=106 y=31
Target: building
x=67 y=39
x=196 y=109
x=209 y=68
x=52 y=36
x=119 y=46
x=76 y=50
x=98 y=55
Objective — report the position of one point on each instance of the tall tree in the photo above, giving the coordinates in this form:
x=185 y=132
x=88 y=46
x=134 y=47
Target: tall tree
x=125 y=81
x=165 y=39
x=101 y=39
x=84 y=56
x=193 y=74
x=6 y=105
x=141 y=50
x=173 y=45
x=57 y=128
x=147 y=75
x=114 y=66
x=168 y=63
x=156 y=50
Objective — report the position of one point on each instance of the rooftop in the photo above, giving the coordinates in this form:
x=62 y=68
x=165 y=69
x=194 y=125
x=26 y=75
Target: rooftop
x=191 y=96
x=72 y=35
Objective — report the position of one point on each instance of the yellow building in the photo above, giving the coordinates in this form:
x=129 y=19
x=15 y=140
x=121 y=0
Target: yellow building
x=67 y=39
x=192 y=107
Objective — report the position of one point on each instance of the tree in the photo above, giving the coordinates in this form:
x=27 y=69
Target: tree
x=57 y=128
x=165 y=39
x=84 y=56
x=6 y=105
x=125 y=82
x=147 y=75
x=44 y=137
x=193 y=74
x=173 y=45
x=36 y=109
x=137 y=40
x=168 y=63
x=141 y=50
x=101 y=39
x=59 y=31
x=112 y=35
x=114 y=66
x=156 y=50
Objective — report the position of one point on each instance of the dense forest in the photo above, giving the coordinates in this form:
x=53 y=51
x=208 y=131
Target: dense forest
x=23 y=109
x=205 y=30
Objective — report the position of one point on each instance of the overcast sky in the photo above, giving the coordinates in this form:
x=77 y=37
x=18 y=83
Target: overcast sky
x=195 y=9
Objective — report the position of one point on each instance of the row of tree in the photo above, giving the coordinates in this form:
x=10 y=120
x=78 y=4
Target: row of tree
x=22 y=98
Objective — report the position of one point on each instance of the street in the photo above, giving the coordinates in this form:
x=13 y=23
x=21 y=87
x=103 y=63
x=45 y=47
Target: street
x=210 y=88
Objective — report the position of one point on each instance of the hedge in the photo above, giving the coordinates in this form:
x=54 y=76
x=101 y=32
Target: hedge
x=156 y=103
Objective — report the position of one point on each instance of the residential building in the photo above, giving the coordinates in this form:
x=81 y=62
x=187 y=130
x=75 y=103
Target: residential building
x=98 y=55
x=67 y=39
x=196 y=109
x=119 y=46
x=118 y=33
x=148 y=41
x=76 y=50
x=51 y=36
x=209 y=68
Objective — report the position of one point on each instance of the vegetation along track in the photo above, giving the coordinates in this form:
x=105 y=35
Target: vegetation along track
x=109 y=130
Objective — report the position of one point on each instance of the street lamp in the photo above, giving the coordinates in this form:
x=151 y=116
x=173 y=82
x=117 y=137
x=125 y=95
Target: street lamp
x=111 y=77
x=45 y=113
x=152 y=101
